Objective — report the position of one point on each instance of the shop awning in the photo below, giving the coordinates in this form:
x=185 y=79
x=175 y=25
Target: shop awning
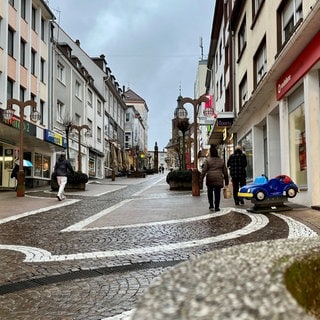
x=219 y=134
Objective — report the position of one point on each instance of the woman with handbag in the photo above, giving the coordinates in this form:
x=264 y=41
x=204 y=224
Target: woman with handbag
x=215 y=171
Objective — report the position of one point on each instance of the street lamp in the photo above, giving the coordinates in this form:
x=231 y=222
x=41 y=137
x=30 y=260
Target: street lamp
x=149 y=159
x=196 y=105
x=183 y=126
x=79 y=128
x=34 y=116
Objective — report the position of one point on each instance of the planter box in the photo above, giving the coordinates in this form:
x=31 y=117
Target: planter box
x=179 y=185
x=69 y=186
x=136 y=174
x=77 y=186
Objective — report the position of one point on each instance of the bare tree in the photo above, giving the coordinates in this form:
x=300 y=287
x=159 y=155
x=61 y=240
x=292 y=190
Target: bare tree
x=67 y=122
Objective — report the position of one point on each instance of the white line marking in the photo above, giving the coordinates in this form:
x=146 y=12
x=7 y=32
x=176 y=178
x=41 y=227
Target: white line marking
x=29 y=213
x=80 y=225
x=39 y=255
x=146 y=188
x=296 y=228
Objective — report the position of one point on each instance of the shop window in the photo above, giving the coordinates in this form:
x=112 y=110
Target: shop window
x=246 y=144
x=297 y=145
x=41 y=166
x=92 y=169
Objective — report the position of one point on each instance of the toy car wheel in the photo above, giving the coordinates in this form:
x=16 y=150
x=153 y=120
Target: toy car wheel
x=260 y=195
x=291 y=193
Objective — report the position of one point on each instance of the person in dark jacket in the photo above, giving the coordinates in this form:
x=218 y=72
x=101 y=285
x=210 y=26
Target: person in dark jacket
x=237 y=164
x=215 y=171
x=60 y=170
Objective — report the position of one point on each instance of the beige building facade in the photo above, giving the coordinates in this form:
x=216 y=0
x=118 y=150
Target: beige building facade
x=24 y=75
x=276 y=90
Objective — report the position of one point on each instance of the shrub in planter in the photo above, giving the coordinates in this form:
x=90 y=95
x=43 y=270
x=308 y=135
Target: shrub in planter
x=179 y=176
x=76 y=180
x=180 y=180
x=149 y=171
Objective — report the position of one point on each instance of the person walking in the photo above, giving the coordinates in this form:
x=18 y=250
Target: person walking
x=60 y=170
x=215 y=171
x=237 y=164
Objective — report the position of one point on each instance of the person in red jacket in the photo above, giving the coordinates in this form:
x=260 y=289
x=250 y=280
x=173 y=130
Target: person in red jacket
x=215 y=171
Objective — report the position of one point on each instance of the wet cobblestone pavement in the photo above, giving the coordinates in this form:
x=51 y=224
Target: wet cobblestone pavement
x=93 y=255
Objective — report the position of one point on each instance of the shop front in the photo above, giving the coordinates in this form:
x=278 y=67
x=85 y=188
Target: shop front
x=37 y=153
x=298 y=93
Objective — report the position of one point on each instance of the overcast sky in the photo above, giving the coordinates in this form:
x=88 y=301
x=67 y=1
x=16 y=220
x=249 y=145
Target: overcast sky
x=151 y=46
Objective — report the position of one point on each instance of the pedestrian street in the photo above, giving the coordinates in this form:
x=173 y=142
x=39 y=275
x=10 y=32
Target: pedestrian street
x=93 y=255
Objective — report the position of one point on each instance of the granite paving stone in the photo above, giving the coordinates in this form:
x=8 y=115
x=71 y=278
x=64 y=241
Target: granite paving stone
x=94 y=255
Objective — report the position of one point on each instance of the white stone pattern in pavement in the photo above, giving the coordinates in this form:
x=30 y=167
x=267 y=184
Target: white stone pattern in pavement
x=258 y=221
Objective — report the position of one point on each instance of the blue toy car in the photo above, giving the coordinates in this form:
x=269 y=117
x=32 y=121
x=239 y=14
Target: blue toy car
x=263 y=188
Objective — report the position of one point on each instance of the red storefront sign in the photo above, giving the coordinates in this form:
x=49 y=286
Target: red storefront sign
x=304 y=62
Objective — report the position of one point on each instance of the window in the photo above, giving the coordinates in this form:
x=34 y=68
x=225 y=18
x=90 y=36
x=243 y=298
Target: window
x=23 y=9
x=297 y=137
x=99 y=107
x=221 y=87
x=127 y=117
x=243 y=92
x=242 y=37
x=289 y=15
x=10 y=85
x=60 y=72
x=33 y=62
x=42 y=165
x=41 y=111
x=78 y=90
x=77 y=119
x=260 y=62
x=60 y=111
x=42 y=70
x=22 y=53
x=33 y=18
x=99 y=134
x=246 y=144
x=42 y=29
x=256 y=5
x=90 y=124
x=10 y=42
x=22 y=93
x=89 y=98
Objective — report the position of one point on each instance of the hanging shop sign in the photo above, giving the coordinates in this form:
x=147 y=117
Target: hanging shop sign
x=55 y=138
x=224 y=122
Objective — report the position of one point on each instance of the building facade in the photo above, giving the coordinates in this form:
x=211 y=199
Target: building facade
x=275 y=56
x=25 y=75
x=81 y=104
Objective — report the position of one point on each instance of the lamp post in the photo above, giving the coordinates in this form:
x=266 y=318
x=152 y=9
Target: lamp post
x=34 y=116
x=183 y=126
x=79 y=128
x=149 y=159
x=196 y=105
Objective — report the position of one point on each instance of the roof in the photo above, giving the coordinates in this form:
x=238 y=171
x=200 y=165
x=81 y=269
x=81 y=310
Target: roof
x=131 y=96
